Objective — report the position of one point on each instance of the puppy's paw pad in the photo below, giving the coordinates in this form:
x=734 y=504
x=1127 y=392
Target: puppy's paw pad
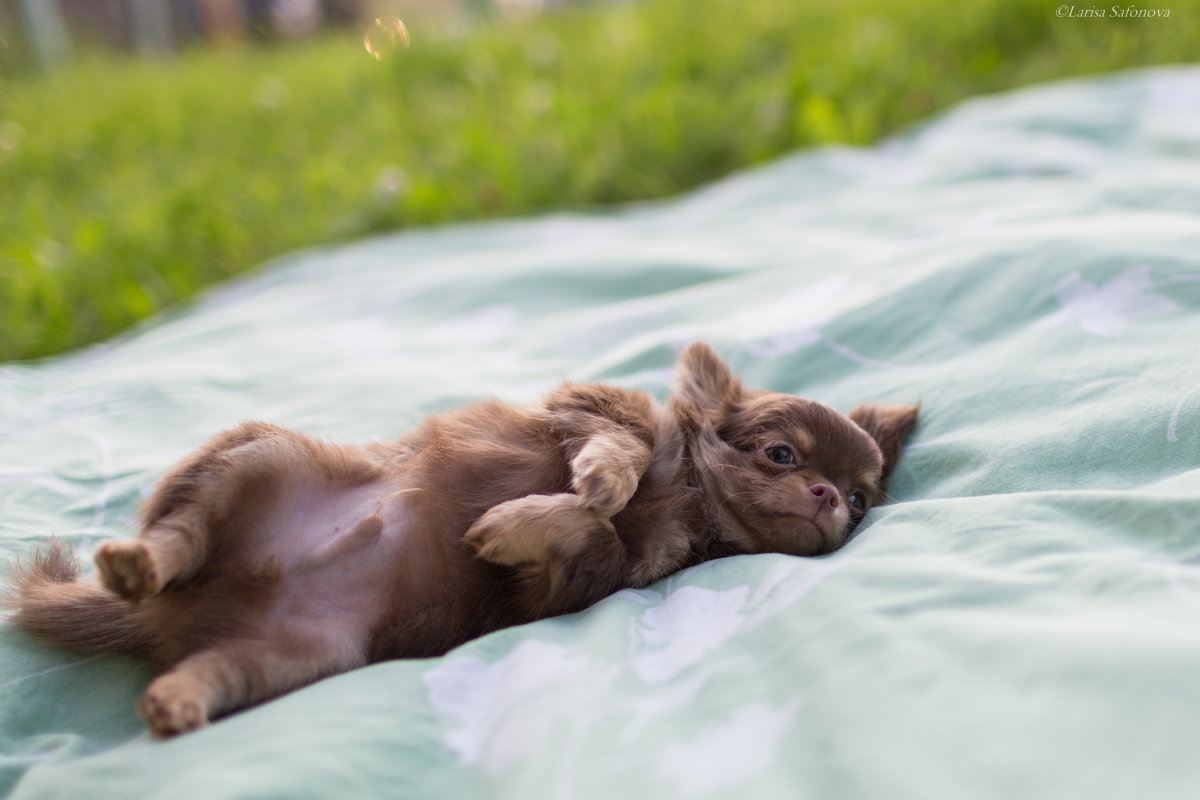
x=127 y=569
x=169 y=710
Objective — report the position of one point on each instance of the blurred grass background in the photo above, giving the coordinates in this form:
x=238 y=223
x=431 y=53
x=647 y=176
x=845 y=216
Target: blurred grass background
x=130 y=184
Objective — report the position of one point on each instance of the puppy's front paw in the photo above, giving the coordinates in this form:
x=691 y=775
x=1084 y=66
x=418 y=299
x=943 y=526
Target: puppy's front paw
x=127 y=568
x=172 y=706
x=603 y=487
x=502 y=534
x=529 y=530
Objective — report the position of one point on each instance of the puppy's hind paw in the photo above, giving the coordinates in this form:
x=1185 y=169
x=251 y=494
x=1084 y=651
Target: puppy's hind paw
x=127 y=569
x=169 y=708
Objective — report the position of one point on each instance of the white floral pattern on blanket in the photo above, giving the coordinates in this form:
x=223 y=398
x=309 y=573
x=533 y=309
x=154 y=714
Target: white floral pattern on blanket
x=503 y=714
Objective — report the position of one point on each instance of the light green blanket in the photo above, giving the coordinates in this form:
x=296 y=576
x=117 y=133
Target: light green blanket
x=1023 y=620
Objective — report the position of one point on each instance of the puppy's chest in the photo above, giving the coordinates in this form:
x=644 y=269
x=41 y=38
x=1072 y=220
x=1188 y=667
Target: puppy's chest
x=659 y=526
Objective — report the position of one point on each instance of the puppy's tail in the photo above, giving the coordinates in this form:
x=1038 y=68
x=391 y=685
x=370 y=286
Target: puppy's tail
x=51 y=604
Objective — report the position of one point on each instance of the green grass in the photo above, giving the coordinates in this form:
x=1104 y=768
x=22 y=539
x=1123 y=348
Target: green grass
x=126 y=186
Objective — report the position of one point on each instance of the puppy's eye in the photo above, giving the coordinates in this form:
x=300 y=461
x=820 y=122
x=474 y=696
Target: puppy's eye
x=781 y=454
x=858 y=500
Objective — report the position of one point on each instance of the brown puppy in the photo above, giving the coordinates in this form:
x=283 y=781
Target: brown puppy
x=268 y=560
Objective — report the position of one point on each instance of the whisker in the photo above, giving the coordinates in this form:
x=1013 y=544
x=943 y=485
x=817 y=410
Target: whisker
x=714 y=466
x=728 y=498
x=756 y=502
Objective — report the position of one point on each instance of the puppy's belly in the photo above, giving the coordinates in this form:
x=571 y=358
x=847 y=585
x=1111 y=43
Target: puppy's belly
x=340 y=552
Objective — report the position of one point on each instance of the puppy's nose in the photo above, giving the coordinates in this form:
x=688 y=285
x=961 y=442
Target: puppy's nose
x=824 y=494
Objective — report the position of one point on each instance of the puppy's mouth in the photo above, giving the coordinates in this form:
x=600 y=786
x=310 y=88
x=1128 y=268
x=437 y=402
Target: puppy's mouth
x=810 y=523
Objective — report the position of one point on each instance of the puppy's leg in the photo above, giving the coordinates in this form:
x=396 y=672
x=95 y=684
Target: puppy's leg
x=567 y=555
x=605 y=475
x=233 y=675
x=606 y=471
x=529 y=529
x=214 y=484
x=177 y=518
x=564 y=545
x=173 y=547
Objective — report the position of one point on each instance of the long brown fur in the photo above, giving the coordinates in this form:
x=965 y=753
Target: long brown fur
x=267 y=559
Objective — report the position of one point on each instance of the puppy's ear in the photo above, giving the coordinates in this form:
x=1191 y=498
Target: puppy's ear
x=889 y=426
x=703 y=380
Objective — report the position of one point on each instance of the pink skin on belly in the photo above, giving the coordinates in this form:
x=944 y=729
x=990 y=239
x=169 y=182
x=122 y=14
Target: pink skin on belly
x=341 y=551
